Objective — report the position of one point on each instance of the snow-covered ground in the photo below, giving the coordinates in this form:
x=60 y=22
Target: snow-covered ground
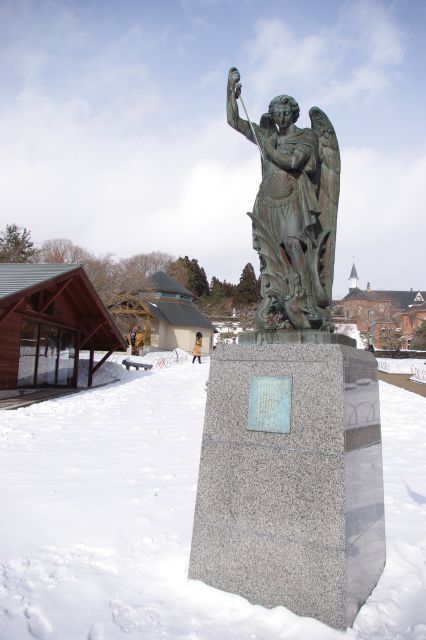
x=96 y=520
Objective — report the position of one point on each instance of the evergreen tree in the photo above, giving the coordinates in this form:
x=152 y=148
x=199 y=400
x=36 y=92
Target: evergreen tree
x=419 y=339
x=229 y=289
x=217 y=290
x=248 y=289
x=189 y=273
x=197 y=279
x=16 y=244
x=201 y=282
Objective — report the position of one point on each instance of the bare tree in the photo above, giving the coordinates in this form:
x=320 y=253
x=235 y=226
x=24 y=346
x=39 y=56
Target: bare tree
x=108 y=276
x=178 y=270
x=102 y=270
x=104 y=274
x=61 y=250
x=390 y=337
x=134 y=271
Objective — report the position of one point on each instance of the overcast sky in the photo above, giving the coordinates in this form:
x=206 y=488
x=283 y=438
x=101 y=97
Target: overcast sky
x=113 y=129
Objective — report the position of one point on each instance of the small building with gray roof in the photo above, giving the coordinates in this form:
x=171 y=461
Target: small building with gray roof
x=176 y=319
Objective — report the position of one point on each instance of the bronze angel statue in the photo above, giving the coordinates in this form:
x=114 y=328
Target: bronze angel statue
x=295 y=212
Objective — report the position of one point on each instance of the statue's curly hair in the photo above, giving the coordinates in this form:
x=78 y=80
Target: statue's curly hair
x=286 y=100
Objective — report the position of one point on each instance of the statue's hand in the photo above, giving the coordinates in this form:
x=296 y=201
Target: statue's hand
x=234 y=81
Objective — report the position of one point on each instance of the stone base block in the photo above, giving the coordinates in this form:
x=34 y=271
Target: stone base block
x=292 y=518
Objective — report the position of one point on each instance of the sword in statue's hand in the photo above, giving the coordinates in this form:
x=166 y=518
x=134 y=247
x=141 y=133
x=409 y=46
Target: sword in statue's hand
x=239 y=96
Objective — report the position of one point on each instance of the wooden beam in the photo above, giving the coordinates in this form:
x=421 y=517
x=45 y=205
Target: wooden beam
x=129 y=312
x=53 y=298
x=33 y=316
x=10 y=310
x=100 y=363
x=92 y=333
x=71 y=295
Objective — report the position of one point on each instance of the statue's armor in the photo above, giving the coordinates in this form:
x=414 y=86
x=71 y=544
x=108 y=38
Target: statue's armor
x=277 y=202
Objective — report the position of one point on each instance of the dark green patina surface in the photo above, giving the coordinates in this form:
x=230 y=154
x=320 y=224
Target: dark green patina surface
x=295 y=213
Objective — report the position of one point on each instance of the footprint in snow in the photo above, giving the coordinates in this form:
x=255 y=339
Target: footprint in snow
x=38 y=625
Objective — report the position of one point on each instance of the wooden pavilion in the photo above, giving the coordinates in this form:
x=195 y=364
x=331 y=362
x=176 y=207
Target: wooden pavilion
x=48 y=314
x=128 y=309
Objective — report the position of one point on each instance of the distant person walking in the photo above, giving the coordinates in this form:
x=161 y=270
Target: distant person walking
x=196 y=352
x=136 y=340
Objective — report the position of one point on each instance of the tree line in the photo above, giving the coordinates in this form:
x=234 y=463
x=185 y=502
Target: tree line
x=110 y=276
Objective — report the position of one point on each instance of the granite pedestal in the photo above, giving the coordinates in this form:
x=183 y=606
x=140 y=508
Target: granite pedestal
x=292 y=513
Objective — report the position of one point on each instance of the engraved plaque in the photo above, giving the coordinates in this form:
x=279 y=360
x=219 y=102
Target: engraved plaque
x=270 y=404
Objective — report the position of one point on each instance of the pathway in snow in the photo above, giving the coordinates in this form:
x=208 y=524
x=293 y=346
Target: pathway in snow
x=97 y=507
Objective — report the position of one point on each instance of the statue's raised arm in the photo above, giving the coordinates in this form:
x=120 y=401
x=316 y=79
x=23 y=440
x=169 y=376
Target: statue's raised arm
x=233 y=91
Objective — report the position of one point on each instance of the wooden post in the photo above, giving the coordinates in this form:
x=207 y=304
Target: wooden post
x=91 y=359
x=76 y=359
x=148 y=328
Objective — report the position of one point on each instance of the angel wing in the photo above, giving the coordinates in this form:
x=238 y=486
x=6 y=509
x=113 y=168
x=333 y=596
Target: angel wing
x=328 y=189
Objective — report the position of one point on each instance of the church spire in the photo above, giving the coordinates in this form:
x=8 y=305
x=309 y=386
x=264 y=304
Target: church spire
x=353 y=278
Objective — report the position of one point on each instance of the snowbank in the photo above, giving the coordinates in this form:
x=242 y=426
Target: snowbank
x=351 y=331
x=413 y=367
x=408 y=366
x=112 y=370
x=419 y=375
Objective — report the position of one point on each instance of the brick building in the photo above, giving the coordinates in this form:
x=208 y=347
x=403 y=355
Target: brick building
x=387 y=317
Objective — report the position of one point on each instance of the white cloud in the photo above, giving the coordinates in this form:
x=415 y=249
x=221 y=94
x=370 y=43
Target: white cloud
x=210 y=216
x=365 y=83
x=378 y=33
x=277 y=55
x=353 y=57
x=63 y=174
x=381 y=218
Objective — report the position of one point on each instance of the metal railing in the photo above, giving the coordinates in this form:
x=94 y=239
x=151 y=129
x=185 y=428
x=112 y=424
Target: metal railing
x=174 y=359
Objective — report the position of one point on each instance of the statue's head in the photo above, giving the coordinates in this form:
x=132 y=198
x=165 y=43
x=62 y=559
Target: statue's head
x=283 y=109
